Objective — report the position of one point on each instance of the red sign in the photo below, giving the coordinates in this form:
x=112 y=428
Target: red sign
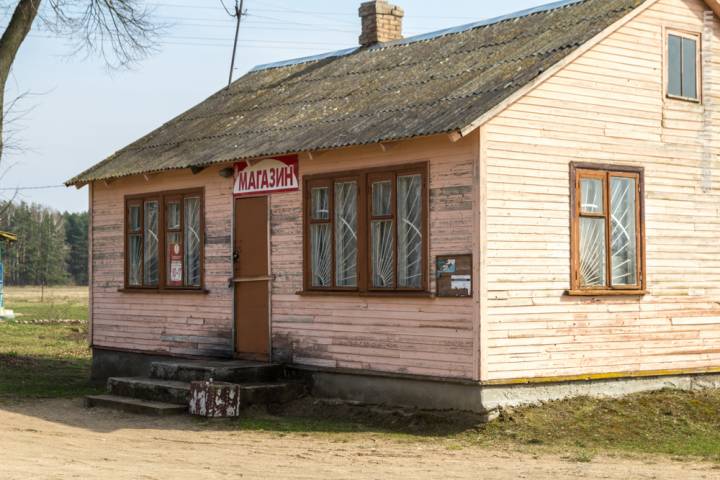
x=176 y=265
x=270 y=175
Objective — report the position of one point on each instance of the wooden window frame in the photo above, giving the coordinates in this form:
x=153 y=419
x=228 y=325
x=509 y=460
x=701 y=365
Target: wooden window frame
x=163 y=198
x=698 y=64
x=364 y=202
x=605 y=172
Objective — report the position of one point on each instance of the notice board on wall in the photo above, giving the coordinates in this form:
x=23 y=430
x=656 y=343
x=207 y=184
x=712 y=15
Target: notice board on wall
x=454 y=275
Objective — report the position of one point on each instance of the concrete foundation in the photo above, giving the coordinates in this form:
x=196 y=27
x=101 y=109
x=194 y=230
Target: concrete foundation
x=495 y=396
x=114 y=363
x=394 y=391
x=438 y=394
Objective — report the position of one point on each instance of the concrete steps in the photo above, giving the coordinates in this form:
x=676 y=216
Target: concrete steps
x=167 y=389
x=231 y=372
x=153 y=389
x=134 y=405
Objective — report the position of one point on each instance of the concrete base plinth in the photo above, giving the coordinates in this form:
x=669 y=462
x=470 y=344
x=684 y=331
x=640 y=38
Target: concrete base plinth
x=450 y=394
x=375 y=388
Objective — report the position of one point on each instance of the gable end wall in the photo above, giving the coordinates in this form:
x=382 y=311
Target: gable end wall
x=607 y=106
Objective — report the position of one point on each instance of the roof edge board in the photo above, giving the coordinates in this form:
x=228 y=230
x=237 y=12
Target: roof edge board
x=78 y=181
x=422 y=37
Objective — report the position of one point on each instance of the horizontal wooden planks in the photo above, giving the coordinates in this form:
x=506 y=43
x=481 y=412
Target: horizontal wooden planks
x=606 y=107
x=421 y=336
x=183 y=324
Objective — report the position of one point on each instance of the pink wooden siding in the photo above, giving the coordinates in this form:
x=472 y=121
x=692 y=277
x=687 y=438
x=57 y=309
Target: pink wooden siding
x=607 y=106
x=180 y=324
x=401 y=335
x=411 y=335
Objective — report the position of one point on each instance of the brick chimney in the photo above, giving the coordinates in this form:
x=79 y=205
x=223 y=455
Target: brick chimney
x=381 y=22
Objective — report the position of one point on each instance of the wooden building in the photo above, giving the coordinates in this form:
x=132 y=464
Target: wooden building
x=526 y=200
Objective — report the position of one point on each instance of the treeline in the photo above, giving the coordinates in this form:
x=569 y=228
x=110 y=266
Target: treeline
x=52 y=247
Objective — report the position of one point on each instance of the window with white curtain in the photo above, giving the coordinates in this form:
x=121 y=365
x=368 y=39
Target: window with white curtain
x=607 y=230
x=164 y=240
x=366 y=230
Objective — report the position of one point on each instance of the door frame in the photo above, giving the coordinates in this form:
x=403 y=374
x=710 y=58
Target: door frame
x=234 y=282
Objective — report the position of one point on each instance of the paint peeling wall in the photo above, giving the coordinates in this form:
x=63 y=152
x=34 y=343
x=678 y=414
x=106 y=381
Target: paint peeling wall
x=170 y=323
x=421 y=336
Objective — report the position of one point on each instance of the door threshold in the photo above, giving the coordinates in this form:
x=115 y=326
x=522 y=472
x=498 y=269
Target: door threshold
x=253 y=357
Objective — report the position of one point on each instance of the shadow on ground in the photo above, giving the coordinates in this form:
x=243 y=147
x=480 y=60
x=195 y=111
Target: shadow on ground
x=24 y=376
x=303 y=416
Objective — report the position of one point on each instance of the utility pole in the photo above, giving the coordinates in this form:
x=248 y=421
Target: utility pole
x=238 y=16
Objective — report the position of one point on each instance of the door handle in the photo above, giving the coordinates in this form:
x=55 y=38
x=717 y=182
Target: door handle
x=236 y=255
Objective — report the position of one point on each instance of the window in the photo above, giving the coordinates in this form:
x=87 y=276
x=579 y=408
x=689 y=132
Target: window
x=164 y=239
x=366 y=231
x=683 y=66
x=607 y=229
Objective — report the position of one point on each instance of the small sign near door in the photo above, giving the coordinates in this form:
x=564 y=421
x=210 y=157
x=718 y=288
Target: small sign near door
x=270 y=175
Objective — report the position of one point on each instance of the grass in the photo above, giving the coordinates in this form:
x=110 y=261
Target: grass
x=669 y=422
x=44 y=351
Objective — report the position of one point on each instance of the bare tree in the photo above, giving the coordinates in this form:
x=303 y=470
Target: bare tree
x=122 y=32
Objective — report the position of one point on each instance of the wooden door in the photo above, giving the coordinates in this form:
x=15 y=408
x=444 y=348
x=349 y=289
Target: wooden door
x=251 y=279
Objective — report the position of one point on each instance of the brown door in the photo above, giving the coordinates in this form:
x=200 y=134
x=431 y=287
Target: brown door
x=251 y=278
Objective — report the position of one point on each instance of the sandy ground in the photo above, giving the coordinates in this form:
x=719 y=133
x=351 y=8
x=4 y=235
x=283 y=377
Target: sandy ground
x=60 y=439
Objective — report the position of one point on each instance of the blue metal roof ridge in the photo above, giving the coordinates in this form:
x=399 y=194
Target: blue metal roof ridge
x=297 y=61
x=422 y=37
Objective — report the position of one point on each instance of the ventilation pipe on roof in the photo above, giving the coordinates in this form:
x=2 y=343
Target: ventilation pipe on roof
x=381 y=22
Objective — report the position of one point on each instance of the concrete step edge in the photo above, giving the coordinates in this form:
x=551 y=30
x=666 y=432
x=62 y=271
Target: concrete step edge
x=230 y=373
x=134 y=405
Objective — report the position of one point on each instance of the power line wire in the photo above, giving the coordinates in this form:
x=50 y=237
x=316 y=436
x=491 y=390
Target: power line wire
x=42 y=187
x=222 y=41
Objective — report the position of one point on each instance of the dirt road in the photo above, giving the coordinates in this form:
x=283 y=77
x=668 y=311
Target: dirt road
x=58 y=439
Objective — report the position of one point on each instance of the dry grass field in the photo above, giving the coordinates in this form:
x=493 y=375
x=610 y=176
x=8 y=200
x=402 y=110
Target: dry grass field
x=44 y=351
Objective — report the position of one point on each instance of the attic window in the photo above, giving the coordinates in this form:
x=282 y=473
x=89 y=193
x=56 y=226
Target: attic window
x=683 y=66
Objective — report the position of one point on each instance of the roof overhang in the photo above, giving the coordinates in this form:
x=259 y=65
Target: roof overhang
x=714 y=6
x=461 y=128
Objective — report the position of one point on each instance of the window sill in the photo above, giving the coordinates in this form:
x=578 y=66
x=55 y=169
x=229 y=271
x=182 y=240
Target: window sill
x=340 y=293
x=157 y=291
x=606 y=293
x=696 y=101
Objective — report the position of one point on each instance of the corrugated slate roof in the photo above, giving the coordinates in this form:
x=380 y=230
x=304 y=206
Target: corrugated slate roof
x=431 y=84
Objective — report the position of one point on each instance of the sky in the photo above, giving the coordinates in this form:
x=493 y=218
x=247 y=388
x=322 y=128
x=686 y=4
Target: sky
x=75 y=112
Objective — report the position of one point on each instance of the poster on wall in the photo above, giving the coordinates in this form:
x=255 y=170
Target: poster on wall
x=176 y=266
x=269 y=175
x=454 y=275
